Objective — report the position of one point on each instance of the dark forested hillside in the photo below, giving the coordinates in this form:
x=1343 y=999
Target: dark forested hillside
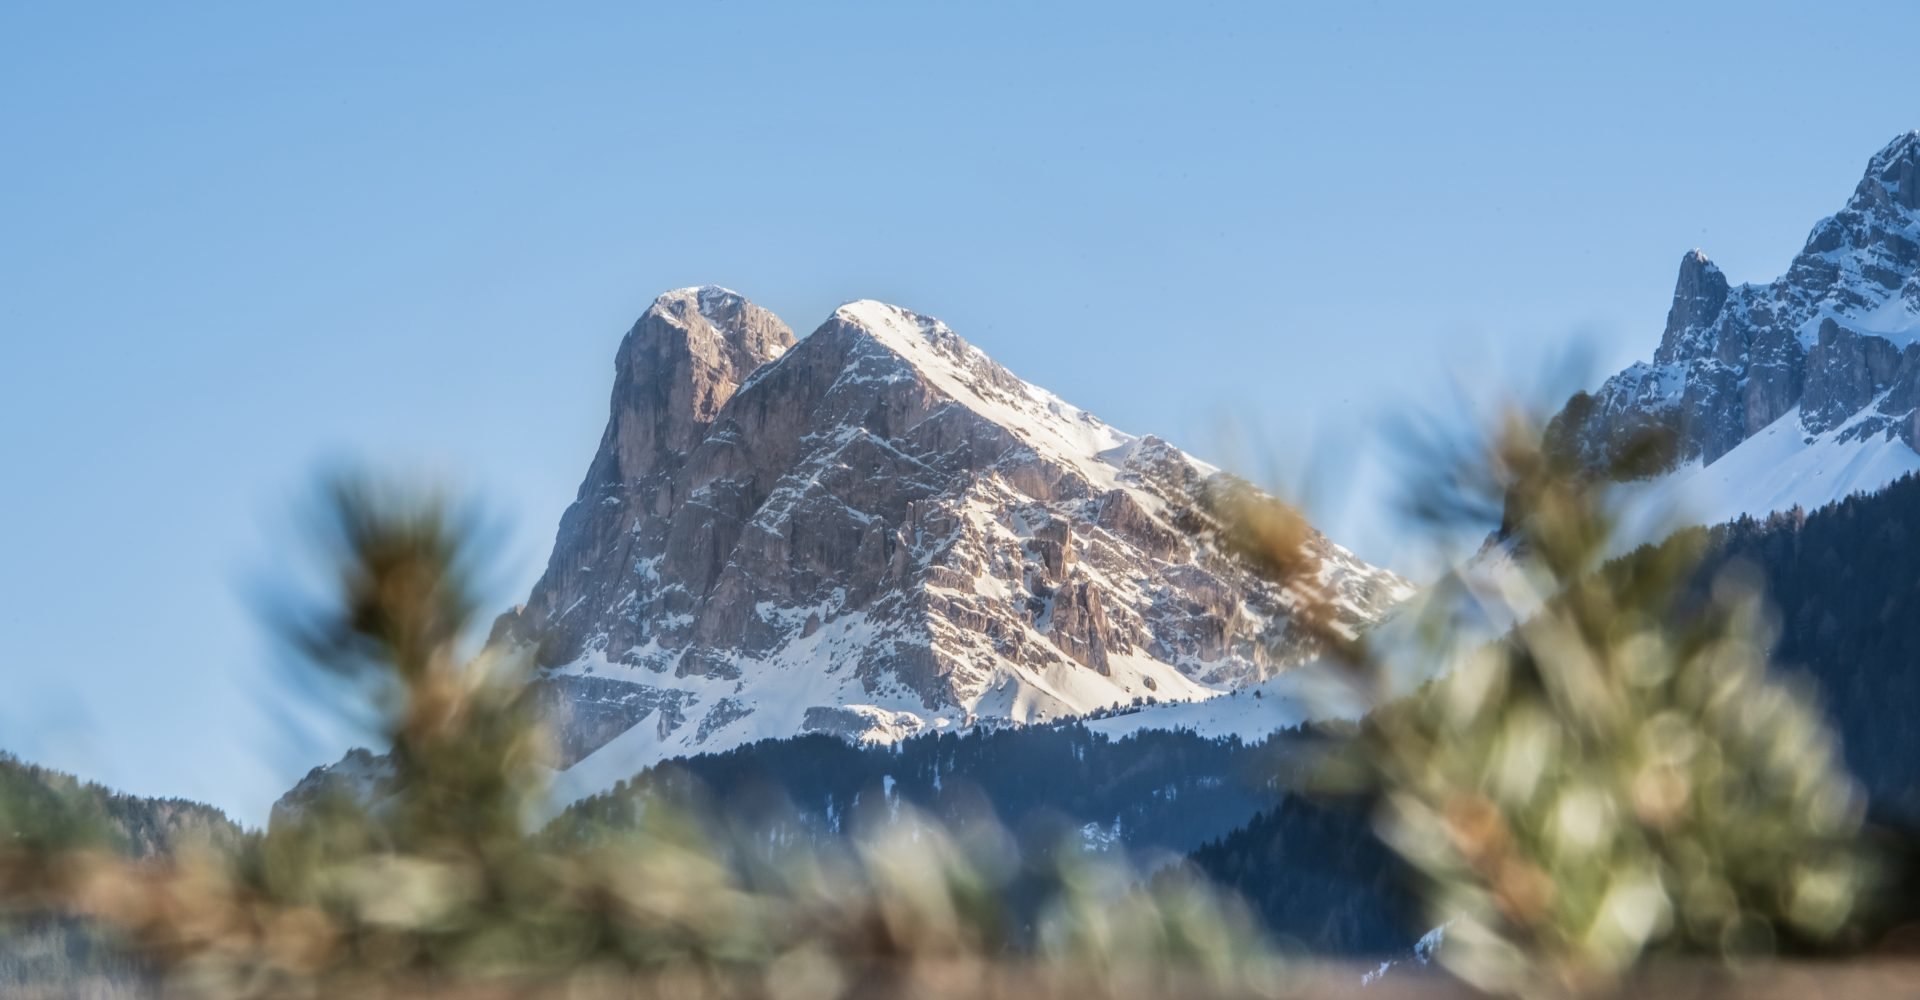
x=1152 y=792
x=1845 y=581
x=1316 y=874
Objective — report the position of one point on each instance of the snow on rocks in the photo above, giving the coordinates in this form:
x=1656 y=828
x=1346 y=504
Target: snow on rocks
x=1824 y=358
x=877 y=532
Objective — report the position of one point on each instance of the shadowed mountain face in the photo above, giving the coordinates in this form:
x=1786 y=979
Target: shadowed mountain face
x=878 y=531
x=1829 y=352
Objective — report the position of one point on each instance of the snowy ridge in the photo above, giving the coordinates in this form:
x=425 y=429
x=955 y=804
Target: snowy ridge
x=965 y=373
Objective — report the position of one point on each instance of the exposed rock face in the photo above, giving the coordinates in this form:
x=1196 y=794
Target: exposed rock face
x=675 y=371
x=1835 y=338
x=879 y=531
x=586 y=712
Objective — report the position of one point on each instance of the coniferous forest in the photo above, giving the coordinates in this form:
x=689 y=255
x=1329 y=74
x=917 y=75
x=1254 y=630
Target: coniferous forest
x=1844 y=582
x=1155 y=792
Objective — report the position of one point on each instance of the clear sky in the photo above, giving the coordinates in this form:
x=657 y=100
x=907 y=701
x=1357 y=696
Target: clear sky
x=240 y=241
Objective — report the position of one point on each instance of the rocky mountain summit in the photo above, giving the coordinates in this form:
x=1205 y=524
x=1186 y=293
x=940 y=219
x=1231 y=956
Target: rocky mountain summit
x=1812 y=376
x=878 y=531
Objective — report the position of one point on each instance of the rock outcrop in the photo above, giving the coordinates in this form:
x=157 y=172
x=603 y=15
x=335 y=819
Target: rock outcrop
x=877 y=531
x=1833 y=344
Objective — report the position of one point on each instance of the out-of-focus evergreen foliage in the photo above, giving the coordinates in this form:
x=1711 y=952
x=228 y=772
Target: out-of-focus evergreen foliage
x=1618 y=775
x=441 y=886
x=1843 y=583
x=1604 y=765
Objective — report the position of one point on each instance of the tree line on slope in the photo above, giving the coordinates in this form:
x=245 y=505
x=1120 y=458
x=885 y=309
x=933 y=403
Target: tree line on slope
x=1155 y=791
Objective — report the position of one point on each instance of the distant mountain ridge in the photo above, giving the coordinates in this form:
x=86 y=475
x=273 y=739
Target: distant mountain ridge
x=874 y=532
x=1797 y=391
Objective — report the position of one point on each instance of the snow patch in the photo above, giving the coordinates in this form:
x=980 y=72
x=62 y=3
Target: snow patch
x=1777 y=469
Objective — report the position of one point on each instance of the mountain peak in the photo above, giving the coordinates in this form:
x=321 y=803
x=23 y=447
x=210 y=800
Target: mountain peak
x=881 y=317
x=970 y=378
x=1698 y=271
x=1699 y=294
x=698 y=291
x=1895 y=171
x=880 y=532
x=678 y=365
x=874 y=311
x=932 y=348
x=1800 y=383
x=902 y=330
x=1905 y=146
x=726 y=311
x=723 y=329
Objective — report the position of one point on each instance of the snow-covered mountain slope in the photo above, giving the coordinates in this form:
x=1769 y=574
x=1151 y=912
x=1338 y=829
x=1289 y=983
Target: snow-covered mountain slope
x=1481 y=600
x=1778 y=469
x=1797 y=391
x=877 y=531
x=1309 y=693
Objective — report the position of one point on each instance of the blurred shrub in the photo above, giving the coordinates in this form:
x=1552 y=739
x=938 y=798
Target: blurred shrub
x=431 y=880
x=1604 y=770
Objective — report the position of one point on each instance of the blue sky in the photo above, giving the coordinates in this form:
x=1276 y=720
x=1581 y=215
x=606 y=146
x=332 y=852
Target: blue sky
x=243 y=241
